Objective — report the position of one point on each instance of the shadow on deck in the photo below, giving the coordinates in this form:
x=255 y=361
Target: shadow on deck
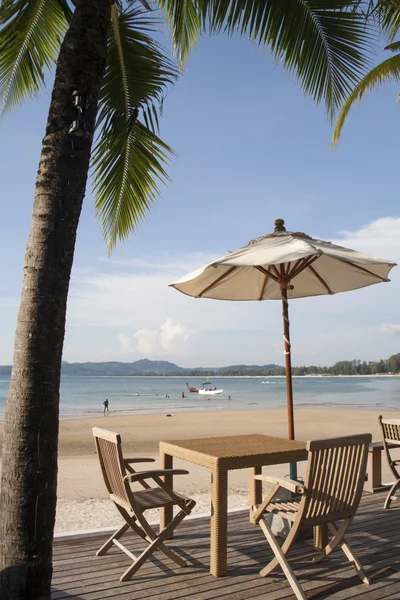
x=374 y=537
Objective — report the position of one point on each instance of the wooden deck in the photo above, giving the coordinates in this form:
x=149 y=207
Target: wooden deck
x=374 y=537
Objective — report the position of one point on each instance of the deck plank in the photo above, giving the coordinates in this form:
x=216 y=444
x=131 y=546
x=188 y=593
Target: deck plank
x=375 y=537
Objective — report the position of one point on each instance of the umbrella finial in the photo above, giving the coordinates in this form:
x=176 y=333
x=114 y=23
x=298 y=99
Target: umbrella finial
x=279 y=225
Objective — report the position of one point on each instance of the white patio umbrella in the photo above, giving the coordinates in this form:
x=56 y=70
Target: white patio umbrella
x=270 y=266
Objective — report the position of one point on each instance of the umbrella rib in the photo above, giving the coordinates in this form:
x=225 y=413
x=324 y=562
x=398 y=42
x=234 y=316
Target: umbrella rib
x=279 y=275
x=348 y=262
x=264 y=285
x=322 y=281
x=266 y=272
x=216 y=281
x=298 y=262
x=307 y=262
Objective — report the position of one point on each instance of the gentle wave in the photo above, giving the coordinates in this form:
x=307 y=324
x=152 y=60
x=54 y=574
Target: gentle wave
x=84 y=396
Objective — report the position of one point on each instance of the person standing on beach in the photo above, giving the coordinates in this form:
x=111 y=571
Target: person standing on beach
x=106 y=410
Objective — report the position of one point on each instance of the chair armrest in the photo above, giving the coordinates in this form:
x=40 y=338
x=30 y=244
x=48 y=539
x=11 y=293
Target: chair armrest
x=138 y=460
x=155 y=473
x=288 y=484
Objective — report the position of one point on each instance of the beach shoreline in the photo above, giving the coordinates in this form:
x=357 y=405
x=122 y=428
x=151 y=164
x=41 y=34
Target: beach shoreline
x=83 y=396
x=216 y=376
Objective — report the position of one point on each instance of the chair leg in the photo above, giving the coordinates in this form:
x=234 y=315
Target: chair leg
x=351 y=557
x=389 y=497
x=284 y=548
x=281 y=559
x=335 y=541
x=162 y=536
x=140 y=560
x=110 y=542
x=156 y=543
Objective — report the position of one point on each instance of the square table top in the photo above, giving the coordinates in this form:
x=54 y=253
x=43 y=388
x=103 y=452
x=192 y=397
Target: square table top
x=237 y=451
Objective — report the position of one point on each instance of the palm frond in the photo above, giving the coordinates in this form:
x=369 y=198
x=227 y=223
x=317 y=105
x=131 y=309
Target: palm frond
x=184 y=16
x=129 y=158
x=128 y=163
x=395 y=47
x=321 y=41
x=66 y=10
x=30 y=40
x=388 y=16
x=384 y=72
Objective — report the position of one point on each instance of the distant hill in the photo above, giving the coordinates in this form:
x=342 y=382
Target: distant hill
x=139 y=367
x=153 y=367
x=159 y=367
x=390 y=366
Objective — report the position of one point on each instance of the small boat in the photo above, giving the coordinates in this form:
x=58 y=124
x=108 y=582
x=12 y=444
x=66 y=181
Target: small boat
x=206 y=390
x=192 y=389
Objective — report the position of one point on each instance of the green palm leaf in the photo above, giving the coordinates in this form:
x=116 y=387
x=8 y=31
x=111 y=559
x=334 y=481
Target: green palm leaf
x=395 y=47
x=388 y=12
x=384 y=72
x=129 y=158
x=184 y=16
x=30 y=40
x=321 y=41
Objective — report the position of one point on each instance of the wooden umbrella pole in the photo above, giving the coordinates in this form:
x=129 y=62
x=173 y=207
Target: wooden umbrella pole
x=288 y=367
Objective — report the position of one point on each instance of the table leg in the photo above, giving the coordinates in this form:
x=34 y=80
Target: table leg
x=320 y=536
x=255 y=488
x=166 y=514
x=219 y=521
x=374 y=469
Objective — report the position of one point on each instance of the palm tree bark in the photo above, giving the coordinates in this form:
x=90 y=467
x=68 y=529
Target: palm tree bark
x=29 y=474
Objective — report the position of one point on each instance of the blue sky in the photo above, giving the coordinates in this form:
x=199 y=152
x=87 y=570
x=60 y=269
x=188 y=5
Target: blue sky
x=252 y=148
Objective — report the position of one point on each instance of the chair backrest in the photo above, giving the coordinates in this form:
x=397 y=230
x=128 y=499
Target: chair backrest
x=108 y=446
x=390 y=430
x=335 y=476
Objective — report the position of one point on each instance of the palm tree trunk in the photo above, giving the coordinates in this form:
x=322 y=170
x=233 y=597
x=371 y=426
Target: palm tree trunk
x=29 y=475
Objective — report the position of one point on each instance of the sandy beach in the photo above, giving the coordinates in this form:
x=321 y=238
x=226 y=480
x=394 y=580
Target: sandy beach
x=82 y=496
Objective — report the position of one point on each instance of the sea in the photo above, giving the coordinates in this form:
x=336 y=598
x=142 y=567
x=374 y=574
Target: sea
x=84 y=396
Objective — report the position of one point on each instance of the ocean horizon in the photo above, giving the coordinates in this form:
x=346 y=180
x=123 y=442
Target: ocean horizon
x=83 y=396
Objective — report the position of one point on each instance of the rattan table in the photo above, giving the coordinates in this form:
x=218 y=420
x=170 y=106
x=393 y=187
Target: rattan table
x=221 y=455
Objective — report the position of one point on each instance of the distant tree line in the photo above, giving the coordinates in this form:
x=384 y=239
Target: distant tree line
x=342 y=367
x=148 y=368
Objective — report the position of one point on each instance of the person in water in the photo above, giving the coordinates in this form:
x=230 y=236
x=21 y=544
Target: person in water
x=106 y=409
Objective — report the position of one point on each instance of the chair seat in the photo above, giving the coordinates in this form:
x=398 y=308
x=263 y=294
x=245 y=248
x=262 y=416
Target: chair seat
x=155 y=498
x=285 y=508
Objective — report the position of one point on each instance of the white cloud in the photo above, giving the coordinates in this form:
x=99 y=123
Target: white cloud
x=131 y=300
x=126 y=343
x=173 y=334
x=167 y=339
x=389 y=328
x=147 y=341
x=174 y=266
x=380 y=238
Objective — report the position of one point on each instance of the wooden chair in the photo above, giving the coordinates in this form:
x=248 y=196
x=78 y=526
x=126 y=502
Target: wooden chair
x=332 y=491
x=118 y=475
x=391 y=437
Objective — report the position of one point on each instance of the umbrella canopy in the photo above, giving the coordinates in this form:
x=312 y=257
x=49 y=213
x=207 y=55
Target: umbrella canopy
x=271 y=265
x=308 y=267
